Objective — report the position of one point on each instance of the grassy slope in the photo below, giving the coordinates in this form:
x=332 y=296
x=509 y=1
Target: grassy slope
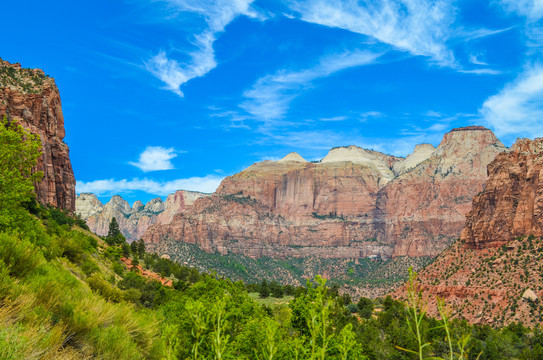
x=49 y=309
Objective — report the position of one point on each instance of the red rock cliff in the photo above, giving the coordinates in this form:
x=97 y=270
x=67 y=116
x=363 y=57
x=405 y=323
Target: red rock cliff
x=511 y=203
x=33 y=99
x=354 y=203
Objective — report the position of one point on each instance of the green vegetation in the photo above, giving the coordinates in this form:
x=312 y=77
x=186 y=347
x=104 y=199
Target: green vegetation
x=19 y=154
x=26 y=80
x=331 y=215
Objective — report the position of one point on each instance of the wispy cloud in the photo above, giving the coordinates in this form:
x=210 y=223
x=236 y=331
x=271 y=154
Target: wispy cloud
x=217 y=15
x=269 y=98
x=518 y=108
x=334 y=118
x=155 y=158
x=475 y=59
x=485 y=71
x=421 y=27
x=532 y=9
x=207 y=184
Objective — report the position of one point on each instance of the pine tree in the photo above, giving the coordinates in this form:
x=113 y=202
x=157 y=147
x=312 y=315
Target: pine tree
x=141 y=247
x=114 y=235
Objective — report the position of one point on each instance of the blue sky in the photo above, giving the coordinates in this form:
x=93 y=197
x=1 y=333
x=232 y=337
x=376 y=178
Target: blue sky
x=177 y=94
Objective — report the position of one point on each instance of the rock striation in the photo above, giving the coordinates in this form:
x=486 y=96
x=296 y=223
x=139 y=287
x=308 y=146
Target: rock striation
x=492 y=274
x=354 y=203
x=32 y=99
x=133 y=221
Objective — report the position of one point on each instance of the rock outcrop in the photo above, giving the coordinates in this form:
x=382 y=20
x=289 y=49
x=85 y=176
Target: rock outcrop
x=133 y=221
x=32 y=99
x=355 y=203
x=511 y=203
x=492 y=274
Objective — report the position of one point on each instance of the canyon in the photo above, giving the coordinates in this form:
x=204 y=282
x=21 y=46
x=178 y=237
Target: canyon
x=32 y=99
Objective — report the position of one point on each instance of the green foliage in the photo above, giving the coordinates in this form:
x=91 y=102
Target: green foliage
x=20 y=153
x=365 y=307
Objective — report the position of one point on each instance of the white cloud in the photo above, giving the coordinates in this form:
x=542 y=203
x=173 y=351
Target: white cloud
x=155 y=158
x=217 y=15
x=421 y=27
x=518 y=108
x=207 y=184
x=269 y=98
x=532 y=9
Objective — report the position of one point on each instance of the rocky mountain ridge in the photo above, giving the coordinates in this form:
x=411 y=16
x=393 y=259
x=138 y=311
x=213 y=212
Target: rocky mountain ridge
x=355 y=203
x=493 y=275
x=133 y=221
x=32 y=98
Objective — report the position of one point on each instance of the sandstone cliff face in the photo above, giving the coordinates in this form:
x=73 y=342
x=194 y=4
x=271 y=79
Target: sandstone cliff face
x=511 y=203
x=133 y=221
x=352 y=204
x=423 y=210
x=492 y=274
x=33 y=99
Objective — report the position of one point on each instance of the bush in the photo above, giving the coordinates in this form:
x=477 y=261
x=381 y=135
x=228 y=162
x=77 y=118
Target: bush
x=19 y=255
x=353 y=308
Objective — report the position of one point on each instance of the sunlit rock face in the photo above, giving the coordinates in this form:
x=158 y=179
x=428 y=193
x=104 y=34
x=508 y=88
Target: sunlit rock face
x=354 y=203
x=32 y=99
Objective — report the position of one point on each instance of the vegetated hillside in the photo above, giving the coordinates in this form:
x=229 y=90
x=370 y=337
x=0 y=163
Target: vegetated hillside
x=494 y=274
x=32 y=98
x=69 y=295
x=359 y=277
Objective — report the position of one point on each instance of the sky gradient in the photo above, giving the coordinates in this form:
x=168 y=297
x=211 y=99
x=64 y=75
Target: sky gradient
x=177 y=94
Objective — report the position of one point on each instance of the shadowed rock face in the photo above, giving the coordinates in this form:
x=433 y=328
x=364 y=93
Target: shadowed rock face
x=33 y=100
x=133 y=221
x=354 y=203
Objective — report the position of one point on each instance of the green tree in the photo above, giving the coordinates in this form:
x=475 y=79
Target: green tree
x=19 y=154
x=264 y=289
x=365 y=307
x=141 y=247
x=114 y=235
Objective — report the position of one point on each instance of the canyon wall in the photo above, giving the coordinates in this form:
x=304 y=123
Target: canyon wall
x=33 y=100
x=354 y=203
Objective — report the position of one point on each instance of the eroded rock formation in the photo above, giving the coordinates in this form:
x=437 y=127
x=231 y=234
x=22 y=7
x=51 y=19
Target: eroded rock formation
x=511 y=203
x=133 y=221
x=32 y=98
x=354 y=203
